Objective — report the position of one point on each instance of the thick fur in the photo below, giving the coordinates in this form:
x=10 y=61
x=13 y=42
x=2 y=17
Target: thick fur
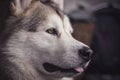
x=25 y=45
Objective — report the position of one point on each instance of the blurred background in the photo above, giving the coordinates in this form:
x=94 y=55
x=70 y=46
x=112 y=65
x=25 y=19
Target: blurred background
x=97 y=24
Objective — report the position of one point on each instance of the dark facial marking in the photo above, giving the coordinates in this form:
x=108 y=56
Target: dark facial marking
x=54 y=7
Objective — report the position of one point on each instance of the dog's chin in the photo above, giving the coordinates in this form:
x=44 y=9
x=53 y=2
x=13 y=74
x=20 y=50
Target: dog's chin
x=62 y=72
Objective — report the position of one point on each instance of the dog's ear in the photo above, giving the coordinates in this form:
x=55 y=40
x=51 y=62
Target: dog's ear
x=60 y=3
x=18 y=6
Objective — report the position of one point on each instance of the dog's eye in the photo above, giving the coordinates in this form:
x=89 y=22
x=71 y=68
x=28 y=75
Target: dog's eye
x=52 y=31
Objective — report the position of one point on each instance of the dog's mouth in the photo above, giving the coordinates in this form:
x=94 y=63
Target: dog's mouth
x=53 y=68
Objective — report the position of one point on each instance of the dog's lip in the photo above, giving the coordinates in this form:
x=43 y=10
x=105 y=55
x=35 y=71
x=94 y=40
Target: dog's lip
x=79 y=69
x=53 y=68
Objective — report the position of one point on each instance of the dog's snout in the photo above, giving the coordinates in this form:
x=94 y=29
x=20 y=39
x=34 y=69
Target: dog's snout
x=85 y=53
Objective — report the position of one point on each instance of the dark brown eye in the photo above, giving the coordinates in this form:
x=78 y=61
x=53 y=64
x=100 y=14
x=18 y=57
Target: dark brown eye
x=52 y=31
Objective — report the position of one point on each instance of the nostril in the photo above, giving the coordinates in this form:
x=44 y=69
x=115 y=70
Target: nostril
x=85 y=53
x=89 y=53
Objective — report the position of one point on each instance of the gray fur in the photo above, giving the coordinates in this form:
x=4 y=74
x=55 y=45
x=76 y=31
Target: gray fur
x=26 y=46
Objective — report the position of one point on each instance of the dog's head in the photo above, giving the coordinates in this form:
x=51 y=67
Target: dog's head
x=42 y=36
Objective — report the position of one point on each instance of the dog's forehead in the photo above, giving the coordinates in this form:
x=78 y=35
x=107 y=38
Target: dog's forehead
x=60 y=24
x=44 y=9
x=40 y=15
x=43 y=15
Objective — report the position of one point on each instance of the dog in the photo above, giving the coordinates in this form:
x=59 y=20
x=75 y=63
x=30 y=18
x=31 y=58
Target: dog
x=37 y=44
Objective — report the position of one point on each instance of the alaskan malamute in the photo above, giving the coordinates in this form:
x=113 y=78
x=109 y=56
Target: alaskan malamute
x=37 y=43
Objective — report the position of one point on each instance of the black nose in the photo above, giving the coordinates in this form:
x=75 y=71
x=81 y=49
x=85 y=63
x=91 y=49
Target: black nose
x=85 y=53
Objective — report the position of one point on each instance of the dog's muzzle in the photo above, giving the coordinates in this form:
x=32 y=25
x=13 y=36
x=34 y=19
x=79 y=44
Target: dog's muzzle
x=84 y=53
